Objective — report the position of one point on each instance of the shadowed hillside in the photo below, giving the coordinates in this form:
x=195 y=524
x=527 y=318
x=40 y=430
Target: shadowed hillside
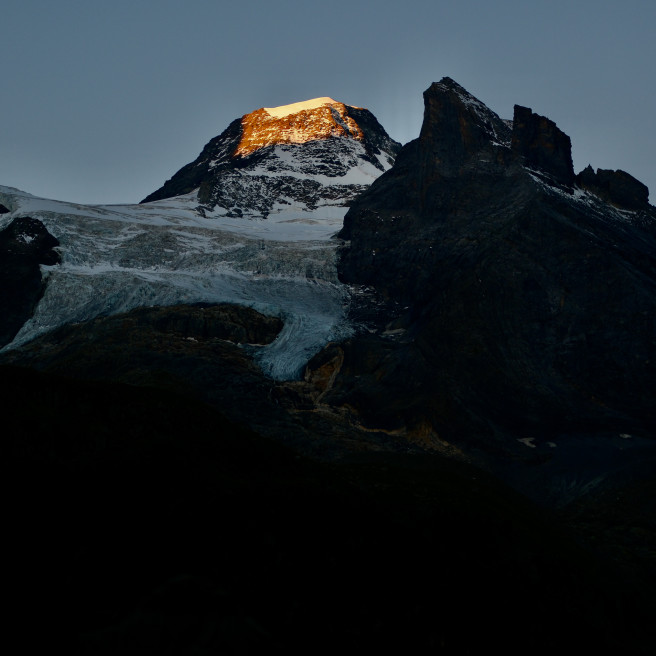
x=143 y=521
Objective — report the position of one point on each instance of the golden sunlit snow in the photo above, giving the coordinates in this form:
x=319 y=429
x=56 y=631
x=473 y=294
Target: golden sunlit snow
x=300 y=122
x=294 y=108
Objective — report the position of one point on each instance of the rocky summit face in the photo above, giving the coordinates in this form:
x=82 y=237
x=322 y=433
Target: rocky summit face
x=319 y=118
x=530 y=291
x=317 y=153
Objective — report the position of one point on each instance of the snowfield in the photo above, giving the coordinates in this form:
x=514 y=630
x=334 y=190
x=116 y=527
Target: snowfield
x=118 y=257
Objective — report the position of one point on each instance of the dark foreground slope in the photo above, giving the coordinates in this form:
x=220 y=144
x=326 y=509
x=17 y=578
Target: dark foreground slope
x=143 y=522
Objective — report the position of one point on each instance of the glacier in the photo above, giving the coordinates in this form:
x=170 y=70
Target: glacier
x=118 y=257
x=251 y=221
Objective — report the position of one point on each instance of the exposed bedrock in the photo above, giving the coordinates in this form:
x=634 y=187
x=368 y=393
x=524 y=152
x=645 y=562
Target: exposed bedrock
x=542 y=144
x=531 y=304
x=616 y=187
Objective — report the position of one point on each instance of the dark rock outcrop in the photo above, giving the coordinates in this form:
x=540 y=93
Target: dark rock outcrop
x=25 y=244
x=457 y=127
x=542 y=145
x=461 y=168
x=616 y=187
x=202 y=350
x=3 y=209
x=530 y=307
x=233 y=323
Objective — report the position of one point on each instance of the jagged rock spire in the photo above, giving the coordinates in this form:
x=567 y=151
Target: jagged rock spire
x=542 y=145
x=457 y=125
x=616 y=187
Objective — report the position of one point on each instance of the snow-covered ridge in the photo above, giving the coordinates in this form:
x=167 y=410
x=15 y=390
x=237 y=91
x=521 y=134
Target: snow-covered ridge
x=294 y=108
x=587 y=201
x=289 y=181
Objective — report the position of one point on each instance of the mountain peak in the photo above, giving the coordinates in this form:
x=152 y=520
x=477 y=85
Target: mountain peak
x=286 y=156
x=457 y=126
x=309 y=120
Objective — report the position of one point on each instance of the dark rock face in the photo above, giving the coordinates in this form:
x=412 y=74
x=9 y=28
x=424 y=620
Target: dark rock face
x=3 y=209
x=205 y=351
x=24 y=245
x=457 y=127
x=190 y=348
x=203 y=321
x=460 y=168
x=529 y=307
x=542 y=145
x=616 y=187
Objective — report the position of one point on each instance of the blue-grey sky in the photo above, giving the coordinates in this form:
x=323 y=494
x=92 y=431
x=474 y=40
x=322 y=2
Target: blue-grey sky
x=102 y=100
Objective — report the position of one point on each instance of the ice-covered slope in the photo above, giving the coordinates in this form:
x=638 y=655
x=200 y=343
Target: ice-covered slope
x=115 y=258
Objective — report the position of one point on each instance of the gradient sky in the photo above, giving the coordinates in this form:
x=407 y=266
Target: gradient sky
x=102 y=100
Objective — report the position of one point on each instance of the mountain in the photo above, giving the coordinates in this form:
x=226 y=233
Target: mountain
x=493 y=304
x=530 y=292
x=230 y=431
x=317 y=153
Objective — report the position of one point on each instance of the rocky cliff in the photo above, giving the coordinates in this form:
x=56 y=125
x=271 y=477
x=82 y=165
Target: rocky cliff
x=542 y=145
x=530 y=292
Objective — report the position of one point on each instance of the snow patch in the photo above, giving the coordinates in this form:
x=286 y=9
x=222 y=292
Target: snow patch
x=528 y=441
x=295 y=108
